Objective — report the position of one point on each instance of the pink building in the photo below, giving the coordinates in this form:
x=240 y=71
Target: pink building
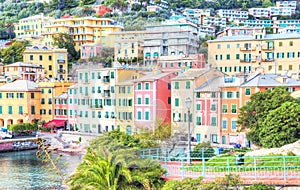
x=90 y=50
x=152 y=97
x=181 y=62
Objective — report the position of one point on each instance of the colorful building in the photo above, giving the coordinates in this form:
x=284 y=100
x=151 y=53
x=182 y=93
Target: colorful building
x=73 y=106
x=181 y=62
x=125 y=105
x=31 y=26
x=26 y=71
x=169 y=38
x=232 y=14
x=152 y=97
x=96 y=98
x=272 y=53
x=84 y=30
x=183 y=87
x=19 y=102
x=129 y=46
x=55 y=61
x=90 y=50
x=50 y=90
x=61 y=107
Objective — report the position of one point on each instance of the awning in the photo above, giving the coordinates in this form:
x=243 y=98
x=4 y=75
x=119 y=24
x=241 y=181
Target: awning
x=55 y=123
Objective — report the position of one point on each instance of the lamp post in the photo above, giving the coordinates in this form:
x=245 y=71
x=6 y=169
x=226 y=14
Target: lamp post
x=188 y=103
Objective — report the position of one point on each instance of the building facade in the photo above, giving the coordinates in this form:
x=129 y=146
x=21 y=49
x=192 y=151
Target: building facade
x=273 y=53
x=232 y=14
x=84 y=30
x=90 y=50
x=55 y=61
x=26 y=71
x=169 y=39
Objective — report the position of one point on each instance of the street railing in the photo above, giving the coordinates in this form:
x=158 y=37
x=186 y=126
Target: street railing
x=211 y=164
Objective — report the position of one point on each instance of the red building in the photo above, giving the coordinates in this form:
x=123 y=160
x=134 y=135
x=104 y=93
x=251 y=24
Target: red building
x=101 y=9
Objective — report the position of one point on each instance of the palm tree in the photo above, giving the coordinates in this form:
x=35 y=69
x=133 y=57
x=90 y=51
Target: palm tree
x=97 y=172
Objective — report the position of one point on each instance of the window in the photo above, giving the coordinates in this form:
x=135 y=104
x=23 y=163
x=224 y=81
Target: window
x=32 y=95
x=290 y=54
x=32 y=109
x=224 y=108
x=147 y=117
x=248 y=91
x=169 y=100
x=228 y=56
x=237 y=56
x=229 y=94
x=99 y=114
x=169 y=86
x=41 y=58
x=50 y=58
x=43 y=101
x=9 y=109
x=280 y=44
x=228 y=46
x=177 y=102
x=49 y=91
x=237 y=45
x=198 y=107
x=213 y=94
x=290 y=67
x=139 y=101
x=139 y=115
x=31 y=57
x=176 y=85
x=291 y=43
x=198 y=94
x=224 y=124
x=280 y=67
x=139 y=86
x=213 y=107
x=280 y=55
x=213 y=121
x=233 y=108
x=233 y=125
x=198 y=121
x=147 y=86
x=0 y=109
x=93 y=75
x=112 y=75
x=219 y=46
x=147 y=101
x=187 y=85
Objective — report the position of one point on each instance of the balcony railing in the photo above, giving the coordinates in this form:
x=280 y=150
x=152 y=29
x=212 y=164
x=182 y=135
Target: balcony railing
x=61 y=71
x=268 y=60
x=247 y=49
x=247 y=60
x=61 y=61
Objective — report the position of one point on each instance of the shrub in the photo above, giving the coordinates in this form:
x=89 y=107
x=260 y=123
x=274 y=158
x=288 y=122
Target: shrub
x=208 y=150
x=290 y=153
x=259 y=186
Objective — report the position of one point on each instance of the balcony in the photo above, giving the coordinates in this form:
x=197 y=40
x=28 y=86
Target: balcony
x=247 y=60
x=61 y=61
x=268 y=60
x=106 y=79
x=97 y=106
x=61 y=71
x=247 y=49
x=106 y=94
x=270 y=48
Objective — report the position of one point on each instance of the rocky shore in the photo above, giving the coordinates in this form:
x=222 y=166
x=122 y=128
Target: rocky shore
x=284 y=150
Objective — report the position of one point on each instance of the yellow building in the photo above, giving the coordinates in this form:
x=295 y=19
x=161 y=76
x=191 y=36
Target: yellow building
x=84 y=30
x=55 y=61
x=129 y=46
x=19 y=102
x=125 y=105
x=50 y=90
x=31 y=26
x=270 y=53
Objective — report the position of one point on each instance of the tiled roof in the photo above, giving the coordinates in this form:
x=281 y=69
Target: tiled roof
x=212 y=85
x=247 y=38
x=191 y=74
x=20 y=86
x=270 y=80
x=152 y=76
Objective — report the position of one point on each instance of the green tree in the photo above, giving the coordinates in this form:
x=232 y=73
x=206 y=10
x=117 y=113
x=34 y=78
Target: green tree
x=63 y=40
x=100 y=171
x=281 y=126
x=266 y=3
x=14 y=52
x=252 y=115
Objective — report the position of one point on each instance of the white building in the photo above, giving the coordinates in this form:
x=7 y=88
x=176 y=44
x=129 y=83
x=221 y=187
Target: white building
x=232 y=14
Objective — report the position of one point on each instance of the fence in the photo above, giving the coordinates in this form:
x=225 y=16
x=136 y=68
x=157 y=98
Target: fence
x=211 y=163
